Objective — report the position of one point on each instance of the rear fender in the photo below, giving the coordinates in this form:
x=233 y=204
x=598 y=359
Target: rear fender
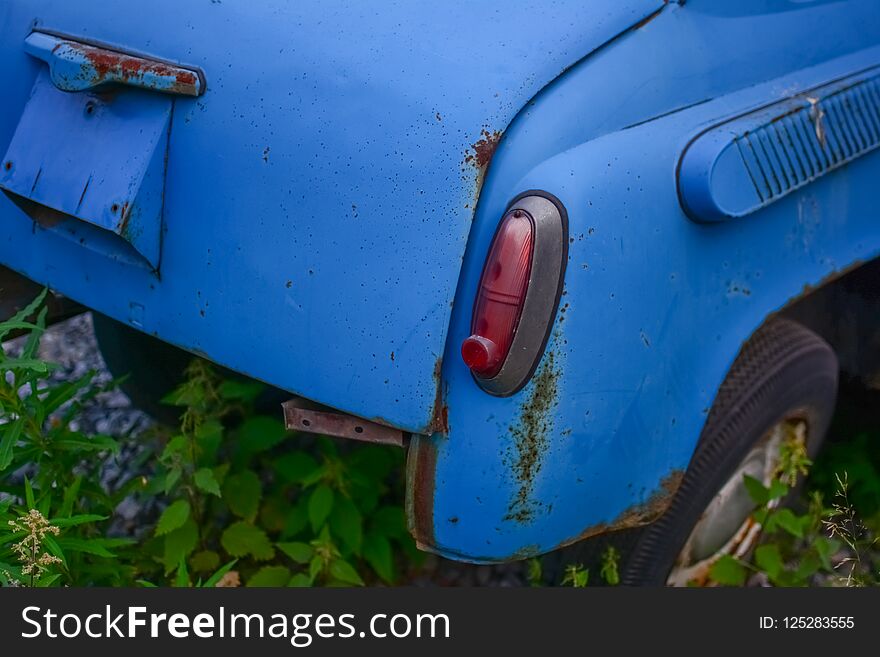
x=655 y=306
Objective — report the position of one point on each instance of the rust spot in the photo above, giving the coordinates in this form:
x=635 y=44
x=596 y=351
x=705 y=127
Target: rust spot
x=421 y=471
x=647 y=19
x=483 y=149
x=124 y=219
x=638 y=515
x=440 y=415
x=530 y=438
x=108 y=63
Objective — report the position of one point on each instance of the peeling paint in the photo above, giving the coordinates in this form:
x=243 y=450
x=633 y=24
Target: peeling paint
x=530 y=436
x=421 y=466
x=638 y=515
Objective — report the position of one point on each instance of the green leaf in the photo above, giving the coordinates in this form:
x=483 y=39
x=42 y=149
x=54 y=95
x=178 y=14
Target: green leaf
x=47 y=580
x=171 y=479
x=261 y=433
x=241 y=539
x=23 y=314
x=391 y=521
x=86 y=546
x=768 y=559
x=179 y=544
x=242 y=491
x=177 y=445
x=757 y=491
x=11 y=433
x=786 y=519
x=73 y=521
x=345 y=572
x=181 y=580
x=71 y=494
x=777 y=490
x=217 y=576
x=297 y=520
x=728 y=571
x=75 y=442
x=205 y=561
x=244 y=390
x=173 y=517
x=295 y=467
x=300 y=580
x=299 y=552
x=205 y=480
x=377 y=552
x=808 y=566
x=825 y=548
x=29 y=494
x=347 y=524
x=320 y=506
x=269 y=576
x=316 y=565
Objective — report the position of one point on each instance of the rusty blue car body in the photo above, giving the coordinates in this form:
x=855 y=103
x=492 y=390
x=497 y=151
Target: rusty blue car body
x=306 y=193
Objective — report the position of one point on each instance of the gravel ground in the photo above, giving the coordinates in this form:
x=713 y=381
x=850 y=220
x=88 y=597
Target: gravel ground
x=71 y=345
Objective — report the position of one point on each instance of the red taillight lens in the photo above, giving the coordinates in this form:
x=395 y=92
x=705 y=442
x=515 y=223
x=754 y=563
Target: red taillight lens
x=502 y=293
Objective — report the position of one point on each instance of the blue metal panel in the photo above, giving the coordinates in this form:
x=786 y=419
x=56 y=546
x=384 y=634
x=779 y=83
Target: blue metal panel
x=744 y=164
x=97 y=158
x=319 y=194
x=655 y=307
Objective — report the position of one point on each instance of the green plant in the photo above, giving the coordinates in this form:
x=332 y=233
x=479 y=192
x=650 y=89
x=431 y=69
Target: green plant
x=241 y=501
x=798 y=549
x=53 y=510
x=290 y=516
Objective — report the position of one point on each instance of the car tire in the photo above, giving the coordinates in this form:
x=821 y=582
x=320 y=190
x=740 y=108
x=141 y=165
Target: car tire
x=150 y=369
x=785 y=372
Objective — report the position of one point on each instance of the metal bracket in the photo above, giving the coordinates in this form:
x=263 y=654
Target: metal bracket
x=337 y=424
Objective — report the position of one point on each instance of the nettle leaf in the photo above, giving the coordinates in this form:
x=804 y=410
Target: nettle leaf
x=177 y=445
x=261 y=433
x=759 y=493
x=205 y=481
x=728 y=571
x=786 y=519
x=777 y=490
x=243 y=390
x=205 y=561
x=173 y=517
x=377 y=552
x=300 y=580
x=179 y=544
x=347 y=523
x=391 y=521
x=269 y=576
x=297 y=520
x=295 y=467
x=241 y=539
x=320 y=505
x=299 y=552
x=768 y=559
x=242 y=491
x=345 y=573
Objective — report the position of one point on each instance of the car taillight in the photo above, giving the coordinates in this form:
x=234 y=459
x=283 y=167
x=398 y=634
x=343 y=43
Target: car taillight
x=518 y=294
x=501 y=295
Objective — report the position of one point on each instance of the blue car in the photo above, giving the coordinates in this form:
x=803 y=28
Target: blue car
x=589 y=263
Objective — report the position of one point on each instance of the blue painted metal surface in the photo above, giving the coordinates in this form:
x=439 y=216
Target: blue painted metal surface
x=320 y=193
x=655 y=306
x=321 y=222
x=75 y=158
x=77 y=66
x=746 y=163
